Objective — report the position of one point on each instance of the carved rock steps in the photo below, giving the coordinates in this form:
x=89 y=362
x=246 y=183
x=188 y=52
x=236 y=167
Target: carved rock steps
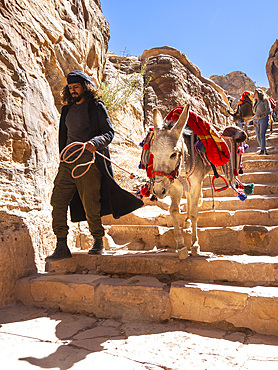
x=233 y=281
x=146 y=298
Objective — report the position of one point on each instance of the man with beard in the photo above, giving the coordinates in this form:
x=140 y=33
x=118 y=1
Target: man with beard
x=84 y=118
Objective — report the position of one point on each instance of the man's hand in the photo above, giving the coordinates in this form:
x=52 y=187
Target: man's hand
x=89 y=146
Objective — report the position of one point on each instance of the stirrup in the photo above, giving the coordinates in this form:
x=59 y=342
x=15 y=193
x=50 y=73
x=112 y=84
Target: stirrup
x=226 y=186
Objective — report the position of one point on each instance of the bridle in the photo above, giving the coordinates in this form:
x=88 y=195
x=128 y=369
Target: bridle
x=172 y=176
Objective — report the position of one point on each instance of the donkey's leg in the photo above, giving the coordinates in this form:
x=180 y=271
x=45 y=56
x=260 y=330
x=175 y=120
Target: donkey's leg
x=187 y=221
x=176 y=194
x=193 y=211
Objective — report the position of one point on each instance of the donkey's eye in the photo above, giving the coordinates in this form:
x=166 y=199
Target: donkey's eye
x=173 y=155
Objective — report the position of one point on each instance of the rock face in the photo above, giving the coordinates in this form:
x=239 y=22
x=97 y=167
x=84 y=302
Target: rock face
x=174 y=80
x=272 y=70
x=40 y=43
x=235 y=83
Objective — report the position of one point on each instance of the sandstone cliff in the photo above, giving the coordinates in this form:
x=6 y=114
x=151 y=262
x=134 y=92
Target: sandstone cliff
x=40 y=43
x=174 y=80
x=272 y=70
x=235 y=83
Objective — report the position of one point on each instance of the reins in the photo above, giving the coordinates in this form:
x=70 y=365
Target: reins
x=63 y=157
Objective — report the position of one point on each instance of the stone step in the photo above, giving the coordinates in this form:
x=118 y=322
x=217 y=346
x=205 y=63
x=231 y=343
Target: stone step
x=139 y=298
x=158 y=217
x=154 y=215
x=145 y=298
x=254 y=156
x=254 y=149
x=259 y=189
x=228 y=240
x=256 y=177
x=240 y=270
x=272 y=140
x=264 y=202
x=253 y=308
x=259 y=177
x=224 y=218
x=260 y=164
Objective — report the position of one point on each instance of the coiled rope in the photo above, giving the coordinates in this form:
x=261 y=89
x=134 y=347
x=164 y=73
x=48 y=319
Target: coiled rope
x=65 y=157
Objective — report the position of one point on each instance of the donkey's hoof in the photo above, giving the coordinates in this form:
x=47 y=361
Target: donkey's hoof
x=183 y=253
x=195 y=250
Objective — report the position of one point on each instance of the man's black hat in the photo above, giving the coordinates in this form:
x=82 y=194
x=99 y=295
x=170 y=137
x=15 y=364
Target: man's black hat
x=79 y=76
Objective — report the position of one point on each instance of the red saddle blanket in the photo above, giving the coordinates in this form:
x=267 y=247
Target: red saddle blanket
x=217 y=150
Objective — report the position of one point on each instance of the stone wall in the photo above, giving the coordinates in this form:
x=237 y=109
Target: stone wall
x=272 y=70
x=40 y=43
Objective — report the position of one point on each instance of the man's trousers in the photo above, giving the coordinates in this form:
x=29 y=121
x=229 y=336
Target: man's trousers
x=88 y=187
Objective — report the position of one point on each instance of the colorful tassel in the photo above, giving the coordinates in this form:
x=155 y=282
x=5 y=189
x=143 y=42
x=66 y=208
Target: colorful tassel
x=242 y=196
x=249 y=189
x=138 y=194
x=145 y=191
x=240 y=150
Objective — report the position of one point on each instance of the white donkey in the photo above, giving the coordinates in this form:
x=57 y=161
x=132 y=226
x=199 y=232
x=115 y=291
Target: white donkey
x=174 y=160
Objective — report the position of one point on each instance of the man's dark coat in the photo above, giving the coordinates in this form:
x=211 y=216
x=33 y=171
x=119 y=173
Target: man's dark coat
x=114 y=200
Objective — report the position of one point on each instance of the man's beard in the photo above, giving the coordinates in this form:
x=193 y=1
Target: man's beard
x=77 y=98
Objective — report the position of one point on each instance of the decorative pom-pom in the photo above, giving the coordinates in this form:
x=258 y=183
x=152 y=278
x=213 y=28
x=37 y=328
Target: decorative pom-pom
x=249 y=189
x=235 y=172
x=138 y=194
x=246 y=146
x=240 y=150
x=145 y=191
x=242 y=196
x=240 y=171
x=146 y=146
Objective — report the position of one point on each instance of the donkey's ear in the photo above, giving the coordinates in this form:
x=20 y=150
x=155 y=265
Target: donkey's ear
x=157 y=118
x=181 y=122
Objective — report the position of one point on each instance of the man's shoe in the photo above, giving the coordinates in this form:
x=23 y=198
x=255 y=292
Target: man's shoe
x=61 y=251
x=97 y=247
x=265 y=152
x=261 y=152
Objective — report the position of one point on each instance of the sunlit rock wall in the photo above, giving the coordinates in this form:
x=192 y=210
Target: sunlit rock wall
x=41 y=41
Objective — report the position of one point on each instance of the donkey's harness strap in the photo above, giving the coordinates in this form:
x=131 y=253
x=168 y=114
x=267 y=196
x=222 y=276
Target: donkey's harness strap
x=217 y=176
x=172 y=176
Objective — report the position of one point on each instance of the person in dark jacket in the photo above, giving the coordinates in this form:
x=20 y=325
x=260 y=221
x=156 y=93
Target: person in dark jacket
x=84 y=118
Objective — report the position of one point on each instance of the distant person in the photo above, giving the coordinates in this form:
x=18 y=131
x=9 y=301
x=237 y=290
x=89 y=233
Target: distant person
x=262 y=111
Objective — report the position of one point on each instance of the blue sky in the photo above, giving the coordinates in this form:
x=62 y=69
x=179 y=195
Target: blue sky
x=218 y=36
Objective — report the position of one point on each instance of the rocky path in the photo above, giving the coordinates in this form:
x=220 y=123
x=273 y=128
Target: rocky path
x=36 y=338
x=232 y=285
